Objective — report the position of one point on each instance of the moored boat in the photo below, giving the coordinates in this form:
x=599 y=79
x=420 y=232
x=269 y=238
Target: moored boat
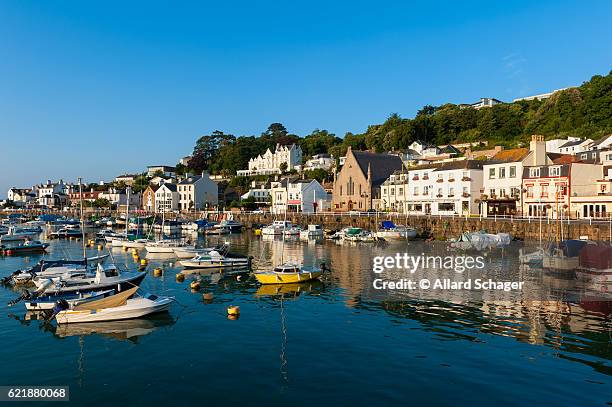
x=288 y=273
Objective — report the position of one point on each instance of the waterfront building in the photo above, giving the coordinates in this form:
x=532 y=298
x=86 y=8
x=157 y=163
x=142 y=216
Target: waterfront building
x=502 y=182
x=197 y=192
x=298 y=195
x=553 y=190
x=119 y=197
x=165 y=171
x=88 y=196
x=271 y=163
x=261 y=195
x=21 y=196
x=52 y=194
x=359 y=181
x=320 y=161
x=148 y=198
x=166 y=198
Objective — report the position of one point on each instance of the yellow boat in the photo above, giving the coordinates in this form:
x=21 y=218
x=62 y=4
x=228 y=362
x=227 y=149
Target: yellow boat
x=288 y=274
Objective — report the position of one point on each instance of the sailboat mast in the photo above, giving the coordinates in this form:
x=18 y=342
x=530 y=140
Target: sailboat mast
x=82 y=219
x=127 y=211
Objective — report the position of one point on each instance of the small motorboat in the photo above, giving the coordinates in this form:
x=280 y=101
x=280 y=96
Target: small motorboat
x=312 y=232
x=113 y=308
x=164 y=246
x=191 y=252
x=49 y=301
x=359 y=235
x=136 y=243
x=216 y=259
x=64 y=233
x=276 y=228
x=534 y=258
x=293 y=231
x=288 y=273
x=231 y=225
x=28 y=247
x=389 y=231
x=103 y=279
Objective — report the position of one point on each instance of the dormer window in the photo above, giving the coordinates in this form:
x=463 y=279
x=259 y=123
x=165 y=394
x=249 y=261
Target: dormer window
x=555 y=171
x=534 y=172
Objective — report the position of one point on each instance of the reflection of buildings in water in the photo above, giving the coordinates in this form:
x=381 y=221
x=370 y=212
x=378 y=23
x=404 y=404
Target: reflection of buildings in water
x=130 y=329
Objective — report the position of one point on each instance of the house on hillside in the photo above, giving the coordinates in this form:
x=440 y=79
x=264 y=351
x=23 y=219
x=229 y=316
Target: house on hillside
x=197 y=192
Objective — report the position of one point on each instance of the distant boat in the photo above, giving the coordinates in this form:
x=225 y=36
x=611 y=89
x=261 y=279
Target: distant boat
x=232 y=225
x=293 y=231
x=276 y=228
x=288 y=273
x=65 y=233
x=563 y=256
x=164 y=246
x=388 y=230
x=28 y=247
x=313 y=231
x=220 y=258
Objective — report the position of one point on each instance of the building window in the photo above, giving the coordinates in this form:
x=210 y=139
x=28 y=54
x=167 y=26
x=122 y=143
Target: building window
x=530 y=191
x=502 y=172
x=400 y=191
x=544 y=190
x=491 y=173
x=534 y=172
x=416 y=191
x=513 y=172
x=555 y=171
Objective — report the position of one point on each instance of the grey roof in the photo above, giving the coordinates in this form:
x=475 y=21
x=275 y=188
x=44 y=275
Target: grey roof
x=381 y=165
x=190 y=180
x=461 y=165
x=601 y=140
x=572 y=143
x=171 y=187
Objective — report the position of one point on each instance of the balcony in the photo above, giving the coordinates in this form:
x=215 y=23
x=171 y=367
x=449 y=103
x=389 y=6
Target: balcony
x=439 y=180
x=465 y=195
x=439 y=196
x=451 y=179
x=415 y=178
x=425 y=178
x=451 y=195
x=466 y=179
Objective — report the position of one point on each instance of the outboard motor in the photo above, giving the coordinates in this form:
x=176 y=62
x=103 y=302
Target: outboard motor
x=60 y=305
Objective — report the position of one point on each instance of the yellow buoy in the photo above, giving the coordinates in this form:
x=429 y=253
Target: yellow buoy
x=180 y=277
x=125 y=249
x=134 y=251
x=233 y=310
x=143 y=262
x=195 y=285
x=257 y=232
x=100 y=247
x=158 y=272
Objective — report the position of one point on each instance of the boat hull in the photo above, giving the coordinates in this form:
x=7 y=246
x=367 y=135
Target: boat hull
x=112 y=314
x=287 y=278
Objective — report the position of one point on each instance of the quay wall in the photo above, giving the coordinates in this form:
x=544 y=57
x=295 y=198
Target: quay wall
x=439 y=227
x=446 y=227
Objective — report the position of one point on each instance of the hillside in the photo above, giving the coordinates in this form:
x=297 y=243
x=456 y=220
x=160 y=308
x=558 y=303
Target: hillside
x=584 y=111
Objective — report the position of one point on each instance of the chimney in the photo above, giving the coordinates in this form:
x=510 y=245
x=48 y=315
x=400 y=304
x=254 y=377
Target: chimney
x=537 y=147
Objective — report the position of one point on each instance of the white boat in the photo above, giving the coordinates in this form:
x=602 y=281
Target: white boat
x=534 y=258
x=48 y=302
x=65 y=232
x=117 y=307
x=390 y=231
x=190 y=252
x=481 y=241
x=313 y=231
x=276 y=228
x=136 y=243
x=293 y=231
x=104 y=278
x=164 y=246
x=54 y=268
x=215 y=259
x=563 y=256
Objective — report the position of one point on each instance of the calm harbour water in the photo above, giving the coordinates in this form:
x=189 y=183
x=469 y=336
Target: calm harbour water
x=337 y=342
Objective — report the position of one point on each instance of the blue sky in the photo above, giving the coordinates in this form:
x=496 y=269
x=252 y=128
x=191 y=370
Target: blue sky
x=95 y=89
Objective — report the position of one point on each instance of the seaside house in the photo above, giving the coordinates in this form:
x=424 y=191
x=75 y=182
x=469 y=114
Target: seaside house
x=127 y=179
x=358 y=183
x=197 y=192
x=21 y=196
x=166 y=198
x=148 y=198
x=298 y=195
x=553 y=190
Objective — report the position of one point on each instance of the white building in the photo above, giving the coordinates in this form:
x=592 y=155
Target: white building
x=261 y=195
x=449 y=188
x=307 y=196
x=21 y=196
x=167 y=171
x=119 y=197
x=320 y=161
x=52 y=193
x=270 y=163
x=541 y=96
x=166 y=198
x=485 y=102
x=127 y=179
x=575 y=146
x=197 y=192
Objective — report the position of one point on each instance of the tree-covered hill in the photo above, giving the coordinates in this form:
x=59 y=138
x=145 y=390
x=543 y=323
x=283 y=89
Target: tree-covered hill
x=584 y=111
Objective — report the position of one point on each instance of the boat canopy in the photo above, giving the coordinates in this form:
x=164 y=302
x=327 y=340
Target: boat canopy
x=572 y=247
x=108 y=302
x=387 y=224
